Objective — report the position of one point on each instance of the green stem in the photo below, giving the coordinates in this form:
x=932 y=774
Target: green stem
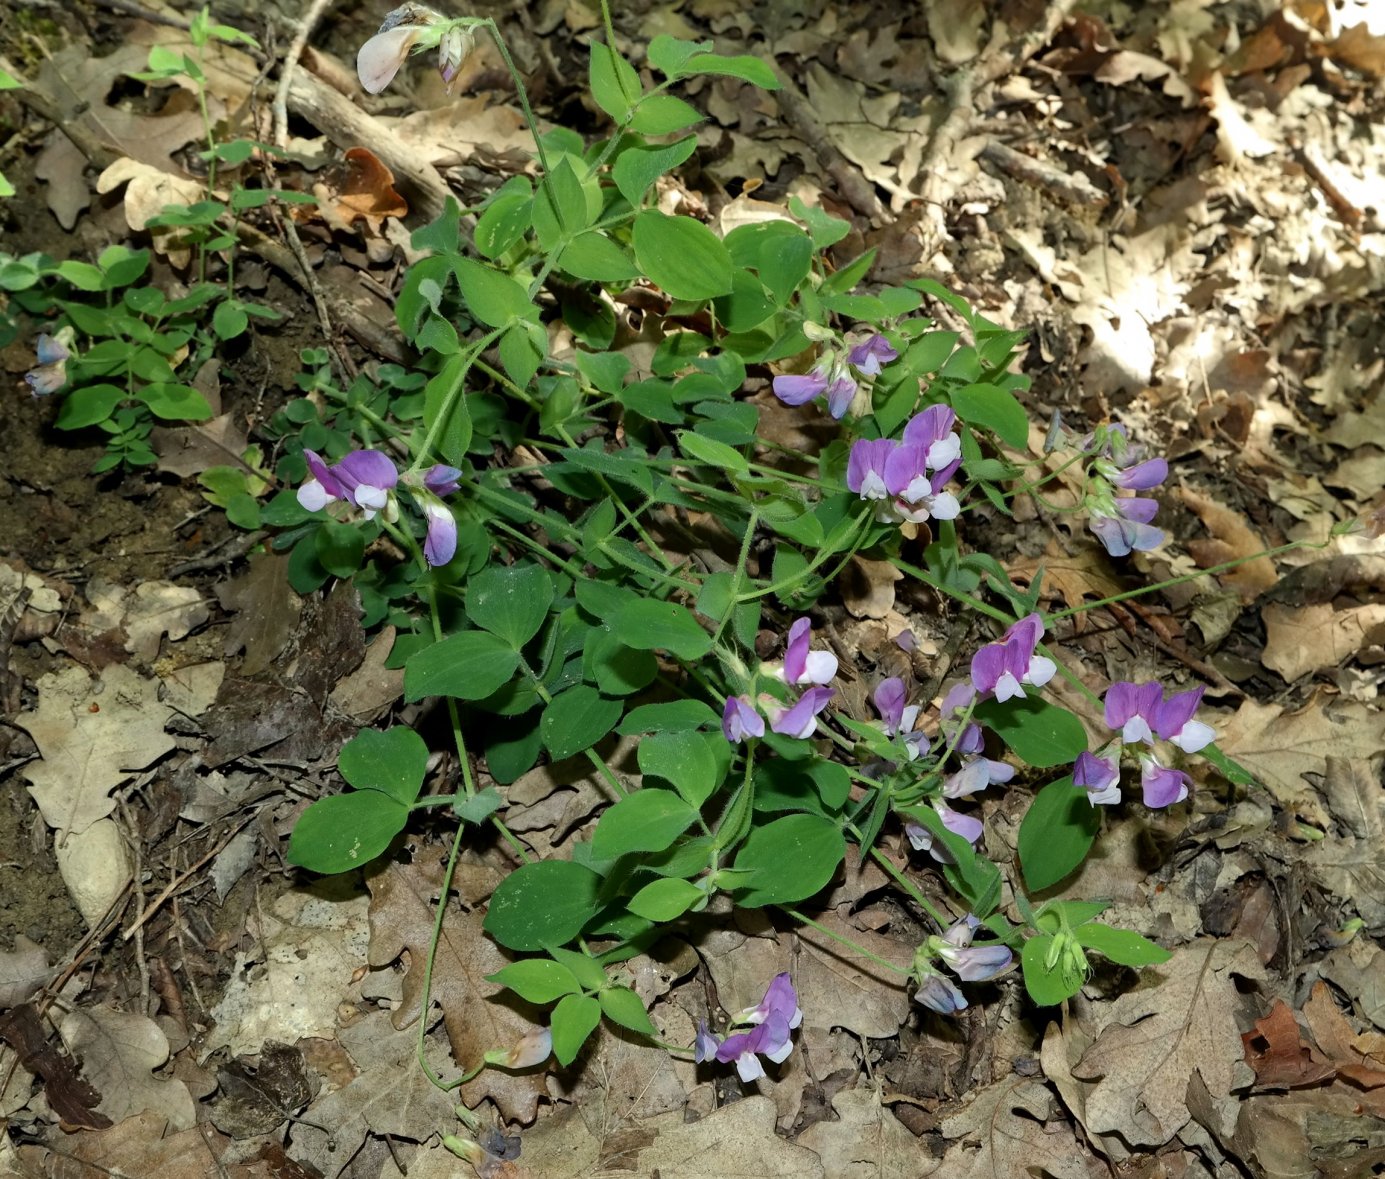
x=854 y=947
x=910 y=887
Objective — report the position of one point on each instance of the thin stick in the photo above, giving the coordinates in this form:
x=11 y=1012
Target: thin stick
x=182 y=879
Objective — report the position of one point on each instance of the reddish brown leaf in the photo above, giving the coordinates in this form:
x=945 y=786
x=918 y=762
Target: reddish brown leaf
x=1276 y=1051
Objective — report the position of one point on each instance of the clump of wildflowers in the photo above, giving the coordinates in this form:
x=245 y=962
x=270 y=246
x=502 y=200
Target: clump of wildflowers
x=366 y=480
x=908 y=477
x=1122 y=523
x=408 y=29
x=742 y=717
x=832 y=377
x=1142 y=716
x=770 y=1021
x=953 y=949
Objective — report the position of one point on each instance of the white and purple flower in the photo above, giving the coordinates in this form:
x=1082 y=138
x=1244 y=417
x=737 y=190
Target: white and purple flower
x=1003 y=668
x=405 y=29
x=770 y=1021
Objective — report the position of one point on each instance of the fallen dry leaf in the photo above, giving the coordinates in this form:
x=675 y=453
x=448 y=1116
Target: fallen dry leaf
x=310 y=946
x=839 y=988
x=1279 y=748
x=390 y=1095
x=95 y=865
x=401 y=917
x=1277 y=1051
x=866 y=1141
x=1233 y=540
x=92 y=735
x=1180 y=1018
x=1311 y=638
x=265 y=609
x=1009 y=1128
x=119 y=1051
x=190 y=450
x=23 y=970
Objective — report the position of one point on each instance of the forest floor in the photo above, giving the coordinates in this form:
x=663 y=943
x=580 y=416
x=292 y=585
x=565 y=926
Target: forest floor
x=1182 y=204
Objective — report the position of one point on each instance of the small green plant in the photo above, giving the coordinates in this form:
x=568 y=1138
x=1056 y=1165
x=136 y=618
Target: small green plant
x=112 y=343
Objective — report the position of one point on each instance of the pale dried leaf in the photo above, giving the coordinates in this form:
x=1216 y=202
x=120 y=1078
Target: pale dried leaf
x=1234 y=540
x=23 y=971
x=390 y=1095
x=866 y=1141
x=1008 y=1128
x=310 y=946
x=92 y=735
x=60 y=165
x=119 y=1051
x=1181 y=1017
x=190 y=450
x=839 y=988
x=372 y=687
x=1299 y=640
x=159 y=608
x=401 y=917
x=1279 y=748
x=95 y=865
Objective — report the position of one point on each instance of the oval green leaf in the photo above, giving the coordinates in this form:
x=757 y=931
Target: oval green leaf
x=682 y=256
x=470 y=666
x=542 y=904
x=1056 y=834
x=1037 y=732
x=792 y=858
x=393 y=762
x=646 y=821
x=345 y=831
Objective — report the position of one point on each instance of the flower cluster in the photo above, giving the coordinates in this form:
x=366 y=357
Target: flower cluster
x=832 y=375
x=1003 y=668
x=366 y=480
x=961 y=736
x=770 y=1021
x=969 y=963
x=1141 y=715
x=405 y=29
x=741 y=718
x=908 y=476
x=1122 y=523
x=50 y=374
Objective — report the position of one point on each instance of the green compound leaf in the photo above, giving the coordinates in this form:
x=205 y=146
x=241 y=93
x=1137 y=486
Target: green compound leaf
x=587 y=971
x=624 y=1007
x=662 y=114
x=178 y=403
x=646 y=821
x=614 y=83
x=1056 y=834
x=89 y=405
x=1037 y=732
x=647 y=624
x=542 y=904
x=537 y=979
x=687 y=761
x=493 y=298
x=636 y=168
x=792 y=858
x=576 y=720
x=709 y=450
x=682 y=256
x=346 y=831
x=665 y=900
x=392 y=762
x=593 y=256
x=1121 y=945
x=469 y=666
x=993 y=409
x=574 y=1019
x=510 y=602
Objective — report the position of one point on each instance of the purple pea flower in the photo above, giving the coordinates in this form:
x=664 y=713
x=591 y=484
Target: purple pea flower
x=889 y=700
x=1162 y=786
x=932 y=432
x=705 y=1046
x=772 y=1018
x=1133 y=710
x=52 y=352
x=1126 y=527
x=939 y=993
x=921 y=838
x=976 y=774
x=769 y=1039
x=440 y=542
x=971 y=963
x=1143 y=476
x=441 y=480
x=1173 y=721
x=780 y=999
x=804 y=666
x=919 y=496
x=367 y=477
x=1002 y=668
x=801 y=388
x=739 y=720
x=1099 y=777
x=800 y=720
x=865 y=468
x=322 y=486
x=868 y=356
